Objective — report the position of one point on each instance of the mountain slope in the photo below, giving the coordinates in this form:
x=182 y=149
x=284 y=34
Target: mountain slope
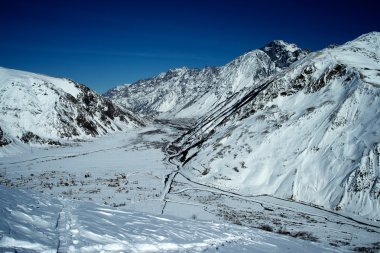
x=41 y=109
x=310 y=133
x=187 y=93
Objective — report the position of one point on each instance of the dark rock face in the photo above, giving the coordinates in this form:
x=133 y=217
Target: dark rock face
x=30 y=137
x=89 y=127
x=95 y=114
x=283 y=54
x=92 y=103
x=3 y=140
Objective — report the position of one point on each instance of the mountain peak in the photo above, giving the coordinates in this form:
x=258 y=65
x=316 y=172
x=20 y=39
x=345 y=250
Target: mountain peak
x=369 y=36
x=368 y=41
x=281 y=45
x=283 y=53
x=191 y=92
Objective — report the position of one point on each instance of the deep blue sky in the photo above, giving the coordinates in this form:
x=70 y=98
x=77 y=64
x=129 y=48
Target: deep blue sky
x=106 y=43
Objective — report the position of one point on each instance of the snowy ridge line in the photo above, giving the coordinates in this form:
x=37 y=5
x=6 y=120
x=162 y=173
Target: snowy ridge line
x=273 y=157
x=191 y=93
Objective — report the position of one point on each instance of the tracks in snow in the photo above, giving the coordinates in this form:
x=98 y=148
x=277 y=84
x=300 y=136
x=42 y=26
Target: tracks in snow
x=55 y=158
x=63 y=227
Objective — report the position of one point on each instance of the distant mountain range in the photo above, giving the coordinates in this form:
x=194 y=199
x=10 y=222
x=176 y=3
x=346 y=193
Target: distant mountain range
x=185 y=92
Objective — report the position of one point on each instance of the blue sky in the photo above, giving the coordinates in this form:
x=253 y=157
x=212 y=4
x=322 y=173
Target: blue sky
x=106 y=43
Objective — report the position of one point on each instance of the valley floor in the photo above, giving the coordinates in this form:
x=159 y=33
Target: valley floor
x=134 y=199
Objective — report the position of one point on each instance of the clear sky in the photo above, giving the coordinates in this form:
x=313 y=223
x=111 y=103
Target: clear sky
x=107 y=43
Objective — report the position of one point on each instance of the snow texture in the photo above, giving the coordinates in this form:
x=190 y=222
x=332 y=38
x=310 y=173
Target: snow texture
x=31 y=222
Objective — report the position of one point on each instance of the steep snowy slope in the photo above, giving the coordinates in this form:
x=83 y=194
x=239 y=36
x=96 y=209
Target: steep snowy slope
x=186 y=93
x=41 y=109
x=310 y=133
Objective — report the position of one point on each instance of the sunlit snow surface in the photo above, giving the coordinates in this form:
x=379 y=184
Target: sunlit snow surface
x=312 y=134
x=311 y=137
x=31 y=222
x=184 y=92
x=127 y=171
x=56 y=109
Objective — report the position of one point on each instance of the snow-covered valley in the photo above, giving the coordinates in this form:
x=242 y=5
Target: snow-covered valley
x=120 y=193
x=277 y=151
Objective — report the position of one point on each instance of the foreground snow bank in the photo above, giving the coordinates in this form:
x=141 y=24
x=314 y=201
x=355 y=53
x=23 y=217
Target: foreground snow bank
x=31 y=222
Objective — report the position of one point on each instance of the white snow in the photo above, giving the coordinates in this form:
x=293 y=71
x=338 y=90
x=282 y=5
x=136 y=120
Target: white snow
x=33 y=222
x=123 y=176
x=188 y=93
x=316 y=145
x=48 y=107
x=300 y=158
x=10 y=75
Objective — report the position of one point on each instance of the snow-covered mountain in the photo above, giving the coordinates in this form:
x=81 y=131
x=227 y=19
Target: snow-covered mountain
x=276 y=121
x=187 y=93
x=309 y=133
x=36 y=108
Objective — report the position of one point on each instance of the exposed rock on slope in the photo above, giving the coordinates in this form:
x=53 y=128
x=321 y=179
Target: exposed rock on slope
x=187 y=93
x=40 y=109
x=310 y=133
x=3 y=140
